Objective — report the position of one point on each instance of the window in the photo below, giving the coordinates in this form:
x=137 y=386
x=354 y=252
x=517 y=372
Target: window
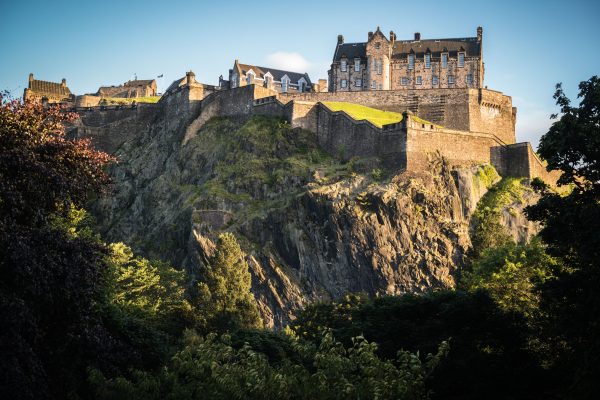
x=461 y=60
x=284 y=84
x=404 y=81
x=374 y=62
x=411 y=61
x=450 y=79
x=379 y=66
x=234 y=81
x=302 y=86
x=357 y=64
x=444 y=60
x=469 y=79
x=343 y=83
x=377 y=45
x=373 y=85
x=419 y=80
x=267 y=81
x=428 y=60
x=344 y=65
x=358 y=82
x=380 y=87
x=249 y=78
x=435 y=80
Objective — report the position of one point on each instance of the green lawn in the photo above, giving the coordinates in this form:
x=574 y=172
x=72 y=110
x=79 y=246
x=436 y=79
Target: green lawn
x=358 y=112
x=121 y=100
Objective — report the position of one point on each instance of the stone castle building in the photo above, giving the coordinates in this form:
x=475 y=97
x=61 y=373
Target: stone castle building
x=383 y=63
x=130 y=89
x=48 y=92
x=270 y=78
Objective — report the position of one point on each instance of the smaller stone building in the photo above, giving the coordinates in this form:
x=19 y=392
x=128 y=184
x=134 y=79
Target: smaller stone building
x=48 y=92
x=130 y=89
x=270 y=78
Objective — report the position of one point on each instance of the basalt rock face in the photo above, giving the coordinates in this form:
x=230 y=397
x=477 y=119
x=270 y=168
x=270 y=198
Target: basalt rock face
x=314 y=228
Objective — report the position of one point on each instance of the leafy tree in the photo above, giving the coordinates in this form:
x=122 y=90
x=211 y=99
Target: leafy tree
x=50 y=279
x=488 y=348
x=510 y=274
x=212 y=368
x=570 y=228
x=224 y=296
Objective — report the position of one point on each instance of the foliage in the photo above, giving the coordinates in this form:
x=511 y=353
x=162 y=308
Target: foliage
x=488 y=230
x=224 y=296
x=487 y=344
x=358 y=112
x=50 y=277
x=570 y=228
x=510 y=274
x=213 y=368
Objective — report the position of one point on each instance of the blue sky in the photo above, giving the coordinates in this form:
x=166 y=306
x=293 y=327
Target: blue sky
x=529 y=46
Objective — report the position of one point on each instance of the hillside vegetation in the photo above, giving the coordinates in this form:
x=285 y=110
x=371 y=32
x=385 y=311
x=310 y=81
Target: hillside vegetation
x=358 y=112
x=122 y=100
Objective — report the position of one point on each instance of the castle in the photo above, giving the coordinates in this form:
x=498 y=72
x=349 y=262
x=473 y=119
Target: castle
x=458 y=118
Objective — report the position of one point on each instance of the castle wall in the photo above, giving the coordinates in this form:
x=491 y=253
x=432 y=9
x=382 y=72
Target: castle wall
x=520 y=160
x=492 y=112
x=340 y=135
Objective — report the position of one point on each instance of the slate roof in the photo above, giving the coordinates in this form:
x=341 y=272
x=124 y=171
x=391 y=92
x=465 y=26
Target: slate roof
x=176 y=83
x=471 y=46
x=401 y=48
x=350 y=50
x=276 y=73
x=53 y=88
x=139 y=82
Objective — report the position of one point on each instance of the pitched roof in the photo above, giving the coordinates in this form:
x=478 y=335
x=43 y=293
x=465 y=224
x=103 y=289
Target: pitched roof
x=402 y=47
x=176 y=83
x=49 y=87
x=350 y=50
x=469 y=45
x=276 y=73
x=139 y=82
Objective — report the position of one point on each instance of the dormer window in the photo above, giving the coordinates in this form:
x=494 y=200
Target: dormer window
x=302 y=85
x=285 y=82
x=344 y=66
x=267 y=80
x=444 y=60
x=461 y=60
x=428 y=60
x=249 y=77
x=411 y=61
x=377 y=45
x=357 y=64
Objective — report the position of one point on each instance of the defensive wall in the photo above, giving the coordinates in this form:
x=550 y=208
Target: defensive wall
x=407 y=144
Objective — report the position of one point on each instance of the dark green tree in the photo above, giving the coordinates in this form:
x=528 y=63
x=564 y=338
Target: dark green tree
x=571 y=228
x=224 y=298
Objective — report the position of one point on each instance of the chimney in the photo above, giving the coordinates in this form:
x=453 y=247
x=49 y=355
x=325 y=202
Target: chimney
x=190 y=77
x=63 y=83
x=370 y=35
x=417 y=36
x=30 y=77
x=340 y=39
x=479 y=33
x=392 y=36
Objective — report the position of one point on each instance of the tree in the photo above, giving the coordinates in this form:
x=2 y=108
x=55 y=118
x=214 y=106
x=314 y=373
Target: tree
x=50 y=279
x=224 y=296
x=571 y=229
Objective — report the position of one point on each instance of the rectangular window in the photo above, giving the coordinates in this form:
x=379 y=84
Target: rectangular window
x=344 y=65
x=379 y=66
x=404 y=81
x=469 y=79
x=444 y=60
x=343 y=83
x=284 y=85
x=357 y=64
x=411 y=61
x=461 y=60
x=450 y=79
x=373 y=85
x=358 y=82
x=435 y=81
x=427 y=60
x=419 y=80
x=380 y=86
x=374 y=62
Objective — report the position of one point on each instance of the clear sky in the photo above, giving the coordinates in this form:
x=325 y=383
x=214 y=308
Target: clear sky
x=529 y=46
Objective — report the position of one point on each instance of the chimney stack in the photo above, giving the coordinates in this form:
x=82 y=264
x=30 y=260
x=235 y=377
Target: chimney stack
x=417 y=36
x=392 y=36
x=370 y=35
x=30 y=77
x=340 y=39
x=63 y=83
x=190 y=77
x=479 y=33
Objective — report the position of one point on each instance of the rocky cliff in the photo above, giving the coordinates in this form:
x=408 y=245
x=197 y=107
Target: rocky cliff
x=313 y=227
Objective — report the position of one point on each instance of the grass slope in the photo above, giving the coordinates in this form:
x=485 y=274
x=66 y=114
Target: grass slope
x=358 y=112
x=121 y=100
